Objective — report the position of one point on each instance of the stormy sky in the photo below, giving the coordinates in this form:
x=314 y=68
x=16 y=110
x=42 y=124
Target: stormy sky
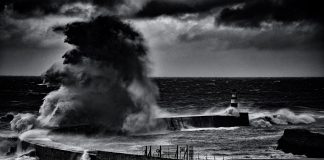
x=205 y=38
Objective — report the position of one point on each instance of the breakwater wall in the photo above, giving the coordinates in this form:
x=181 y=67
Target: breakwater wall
x=176 y=123
x=44 y=152
x=51 y=153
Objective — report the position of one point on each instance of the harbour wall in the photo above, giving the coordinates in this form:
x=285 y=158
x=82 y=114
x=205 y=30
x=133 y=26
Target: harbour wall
x=176 y=123
x=51 y=153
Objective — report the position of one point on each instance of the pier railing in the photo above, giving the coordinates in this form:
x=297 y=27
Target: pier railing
x=181 y=152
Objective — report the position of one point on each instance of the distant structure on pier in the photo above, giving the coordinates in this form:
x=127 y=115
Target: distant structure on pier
x=203 y=121
x=234 y=99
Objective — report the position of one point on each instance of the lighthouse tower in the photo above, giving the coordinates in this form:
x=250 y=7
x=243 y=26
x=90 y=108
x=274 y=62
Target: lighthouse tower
x=234 y=99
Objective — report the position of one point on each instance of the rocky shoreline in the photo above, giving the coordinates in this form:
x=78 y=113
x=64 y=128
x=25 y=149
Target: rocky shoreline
x=302 y=142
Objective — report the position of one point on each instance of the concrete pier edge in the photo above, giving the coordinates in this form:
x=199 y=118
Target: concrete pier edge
x=44 y=152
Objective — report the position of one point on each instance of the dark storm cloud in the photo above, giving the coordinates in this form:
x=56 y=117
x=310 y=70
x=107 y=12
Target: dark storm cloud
x=275 y=38
x=27 y=8
x=27 y=24
x=15 y=34
x=156 y=8
x=290 y=25
x=9 y=32
x=19 y=19
x=253 y=12
x=28 y=43
x=145 y=8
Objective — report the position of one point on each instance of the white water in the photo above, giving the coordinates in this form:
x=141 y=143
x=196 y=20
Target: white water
x=279 y=117
x=85 y=155
x=208 y=129
x=222 y=140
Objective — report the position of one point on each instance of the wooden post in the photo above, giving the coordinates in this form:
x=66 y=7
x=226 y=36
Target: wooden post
x=160 y=152
x=177 y=156
x=187 y=150
x=168 y=152
x=185 y=153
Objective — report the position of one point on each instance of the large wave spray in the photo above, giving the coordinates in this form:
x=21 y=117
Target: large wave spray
x=279 y=117
x=103 y=81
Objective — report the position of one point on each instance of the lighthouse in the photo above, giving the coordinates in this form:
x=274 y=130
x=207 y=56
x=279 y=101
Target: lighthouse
x=231 y=117
x=234 y=99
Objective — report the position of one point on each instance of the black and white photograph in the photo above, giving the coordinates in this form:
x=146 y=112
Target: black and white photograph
x=161 y=79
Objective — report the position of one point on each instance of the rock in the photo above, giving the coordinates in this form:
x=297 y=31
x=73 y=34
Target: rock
x=302 y=142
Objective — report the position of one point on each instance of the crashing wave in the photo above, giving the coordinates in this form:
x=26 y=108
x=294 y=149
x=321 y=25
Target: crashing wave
x=229 y=111
x=23 y=122
x=103 y=81
x=280 y=117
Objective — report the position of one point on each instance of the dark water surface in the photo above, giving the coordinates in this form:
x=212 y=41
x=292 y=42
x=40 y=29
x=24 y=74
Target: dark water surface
x=26 y=93
x=194 y=95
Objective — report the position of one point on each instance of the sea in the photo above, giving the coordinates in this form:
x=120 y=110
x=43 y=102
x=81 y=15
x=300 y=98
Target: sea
x=298 y=101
